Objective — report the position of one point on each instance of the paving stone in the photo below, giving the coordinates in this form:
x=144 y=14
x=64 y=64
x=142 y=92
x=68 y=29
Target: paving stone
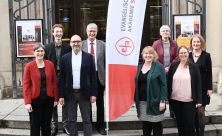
x=9 y=105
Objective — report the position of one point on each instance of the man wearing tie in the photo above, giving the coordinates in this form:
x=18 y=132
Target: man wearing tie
x=77 y=85
x=97 y=49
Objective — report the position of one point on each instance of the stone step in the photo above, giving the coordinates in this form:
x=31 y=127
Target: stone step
x=13 y=115
x=210 y=130
x=122 y=123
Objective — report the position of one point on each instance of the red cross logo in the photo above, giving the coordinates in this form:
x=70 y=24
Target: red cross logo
x=125 y=46
x=132 y=1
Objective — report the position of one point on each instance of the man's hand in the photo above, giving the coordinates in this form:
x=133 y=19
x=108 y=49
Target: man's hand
x=162 y=106
x=55 y=103
x=166 y=69
x=29 y=107
x=62 y=102
x=92 y=99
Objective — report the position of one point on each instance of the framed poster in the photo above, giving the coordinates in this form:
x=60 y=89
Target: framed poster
x=184 y=27
x=28 y=32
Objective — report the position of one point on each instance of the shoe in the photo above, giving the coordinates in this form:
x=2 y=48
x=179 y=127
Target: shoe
x=101 y=130
x=66 y=130
x=54 y=131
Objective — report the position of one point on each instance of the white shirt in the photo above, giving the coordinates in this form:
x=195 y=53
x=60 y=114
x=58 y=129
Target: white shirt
x=89 y=50
x=76 y=67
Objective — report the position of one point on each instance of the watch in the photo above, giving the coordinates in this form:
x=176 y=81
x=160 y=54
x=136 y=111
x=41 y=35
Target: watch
x=162 y=101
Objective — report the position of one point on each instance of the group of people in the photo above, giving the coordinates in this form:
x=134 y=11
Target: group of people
x=71 y=74
x=75 y=75
x=176 y=77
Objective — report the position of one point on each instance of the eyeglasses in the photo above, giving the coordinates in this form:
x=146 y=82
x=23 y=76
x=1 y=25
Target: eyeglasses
x=183 y=53
x=75 y=42
x=92 y=31
x=38 y=51
x=165 y=31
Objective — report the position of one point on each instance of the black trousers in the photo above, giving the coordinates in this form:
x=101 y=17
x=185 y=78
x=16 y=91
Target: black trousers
x=54 y=121
x=185 y=114
x=99 y=104
x=41 y=116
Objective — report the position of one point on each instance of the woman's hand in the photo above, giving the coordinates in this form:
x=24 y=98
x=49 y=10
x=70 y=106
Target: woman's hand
x=162 y=106
x=29 y=107
x=55 y=103
x=198 y=105
x=166 y=70
x=209 y=92
x=133 y=105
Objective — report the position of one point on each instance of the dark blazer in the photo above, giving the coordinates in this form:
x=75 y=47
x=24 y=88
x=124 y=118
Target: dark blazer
x=205 y=67
x=88 y=83
x=195 y=80
x=156 y=89
x=50 y=52
x=32 y=81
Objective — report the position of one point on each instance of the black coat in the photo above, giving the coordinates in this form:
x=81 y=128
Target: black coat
x=205 y=67
x=50 y=52
x=195 y=81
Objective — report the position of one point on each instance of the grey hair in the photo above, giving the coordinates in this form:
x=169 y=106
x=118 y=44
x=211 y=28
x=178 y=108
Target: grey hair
x=38 y=46
x=164 y=26
x=92 y=25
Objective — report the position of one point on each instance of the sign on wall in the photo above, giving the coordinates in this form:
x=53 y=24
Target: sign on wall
x=28 y=33
x=185 y=26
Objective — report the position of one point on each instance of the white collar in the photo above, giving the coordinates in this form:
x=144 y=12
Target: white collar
x=79 y=53
x=89 y=42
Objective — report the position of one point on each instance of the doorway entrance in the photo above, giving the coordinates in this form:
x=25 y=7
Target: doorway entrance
x=76 y=15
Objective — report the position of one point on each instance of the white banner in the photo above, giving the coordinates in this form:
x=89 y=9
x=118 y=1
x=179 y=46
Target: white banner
x=123 y=39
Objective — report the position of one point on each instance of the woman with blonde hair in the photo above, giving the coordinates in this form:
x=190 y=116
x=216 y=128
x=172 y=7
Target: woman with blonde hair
x=151 y=93
x=184 y=92
x=203 y=60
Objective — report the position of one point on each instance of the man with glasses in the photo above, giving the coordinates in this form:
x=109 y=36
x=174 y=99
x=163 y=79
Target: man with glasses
x=97 y=49
x=53 y=52
x=77 y=85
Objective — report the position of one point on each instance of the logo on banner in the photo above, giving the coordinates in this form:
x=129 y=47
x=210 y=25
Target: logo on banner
x=125 y=46
x=132 y=1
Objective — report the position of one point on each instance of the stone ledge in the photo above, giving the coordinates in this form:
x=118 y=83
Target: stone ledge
x=210 y=130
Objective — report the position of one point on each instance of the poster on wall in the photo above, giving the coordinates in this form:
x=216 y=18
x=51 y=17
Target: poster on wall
x=28 y=33
x=185 y=26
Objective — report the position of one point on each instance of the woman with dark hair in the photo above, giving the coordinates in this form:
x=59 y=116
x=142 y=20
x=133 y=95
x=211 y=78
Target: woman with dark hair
x=184 y=92
x=40 y=91
x=203 y=60
x=151 y=93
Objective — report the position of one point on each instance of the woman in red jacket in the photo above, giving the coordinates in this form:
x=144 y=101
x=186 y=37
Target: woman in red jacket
x=40 y=91
x=167 y=51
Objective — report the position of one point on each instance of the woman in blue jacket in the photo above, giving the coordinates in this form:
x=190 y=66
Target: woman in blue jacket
x=151 y=93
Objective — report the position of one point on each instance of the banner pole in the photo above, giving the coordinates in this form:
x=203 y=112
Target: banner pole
x=107 y=128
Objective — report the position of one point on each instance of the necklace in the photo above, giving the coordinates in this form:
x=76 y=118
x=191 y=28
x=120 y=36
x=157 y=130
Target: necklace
x=196 y=56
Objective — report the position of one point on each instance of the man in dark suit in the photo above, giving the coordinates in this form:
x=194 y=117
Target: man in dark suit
x=77 y=85
x=97 y=49
x=53 y=52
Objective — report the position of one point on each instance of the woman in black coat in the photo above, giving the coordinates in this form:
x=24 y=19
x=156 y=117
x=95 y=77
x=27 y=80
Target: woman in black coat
x=184 y=92
x=203 y=60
